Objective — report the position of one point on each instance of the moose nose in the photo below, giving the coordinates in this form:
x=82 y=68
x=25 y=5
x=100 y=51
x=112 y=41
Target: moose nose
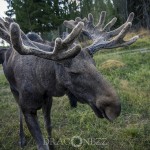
x=113 y=112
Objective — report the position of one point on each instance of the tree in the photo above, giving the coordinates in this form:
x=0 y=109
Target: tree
x=121 y=10
x=86 y=7
x=42 y=15
x=10 y=11
x=141 y=8
x=95 y=7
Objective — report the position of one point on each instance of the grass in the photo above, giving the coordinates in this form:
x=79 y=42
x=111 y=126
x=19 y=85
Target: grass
x=130 y=131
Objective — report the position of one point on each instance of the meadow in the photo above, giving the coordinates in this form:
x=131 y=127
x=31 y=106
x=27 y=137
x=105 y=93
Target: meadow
x=128 y=70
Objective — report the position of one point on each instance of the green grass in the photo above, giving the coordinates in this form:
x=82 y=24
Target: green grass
x=130 y=131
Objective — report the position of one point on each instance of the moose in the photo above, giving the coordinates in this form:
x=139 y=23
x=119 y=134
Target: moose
x=38 y=71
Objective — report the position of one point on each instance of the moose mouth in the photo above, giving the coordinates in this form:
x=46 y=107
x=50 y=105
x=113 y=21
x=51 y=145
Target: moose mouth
x=100 y=113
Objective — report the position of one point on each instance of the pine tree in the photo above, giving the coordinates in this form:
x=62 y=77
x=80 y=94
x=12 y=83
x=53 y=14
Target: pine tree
x=10 y=12
x=42 y=15
x=141 y=8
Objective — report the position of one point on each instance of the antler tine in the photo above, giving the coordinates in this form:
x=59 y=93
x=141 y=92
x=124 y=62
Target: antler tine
x=78 y=19
x=116 y=31
x=4 y=29
x=75 y=32
x=114 y=43
x=110 y=24
x=121 y=35
x=89 y=25
x=130 y=17
x=69 y=24
x=90 y=17
x=58 y=53
x=2 y=24
x=123 y=32
x=101 y=20
x=126 y=43
x=5 y=23
x=66 y=54
x=4 y=34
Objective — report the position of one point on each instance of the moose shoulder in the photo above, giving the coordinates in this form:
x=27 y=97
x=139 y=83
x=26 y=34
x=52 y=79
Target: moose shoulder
x=37 y=71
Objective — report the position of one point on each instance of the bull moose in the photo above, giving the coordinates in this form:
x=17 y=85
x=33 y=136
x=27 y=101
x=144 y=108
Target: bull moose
x=37 y=71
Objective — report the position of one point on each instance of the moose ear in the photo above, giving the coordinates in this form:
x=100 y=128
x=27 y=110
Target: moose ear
x=2 y=53
x=74 y=66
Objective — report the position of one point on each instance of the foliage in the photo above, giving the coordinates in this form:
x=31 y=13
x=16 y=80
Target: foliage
x=141 y=8
x=43 y=16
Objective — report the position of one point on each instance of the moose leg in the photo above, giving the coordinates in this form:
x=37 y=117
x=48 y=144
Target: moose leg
x=22 y=141
x=46 y=108
x=34 y=128
x=72 y=99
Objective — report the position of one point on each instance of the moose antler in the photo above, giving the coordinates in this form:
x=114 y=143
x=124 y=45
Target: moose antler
x=21 y=43
x=4 y=33
x=101 y=35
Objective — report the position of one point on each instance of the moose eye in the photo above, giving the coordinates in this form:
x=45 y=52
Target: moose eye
x=74 y=73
